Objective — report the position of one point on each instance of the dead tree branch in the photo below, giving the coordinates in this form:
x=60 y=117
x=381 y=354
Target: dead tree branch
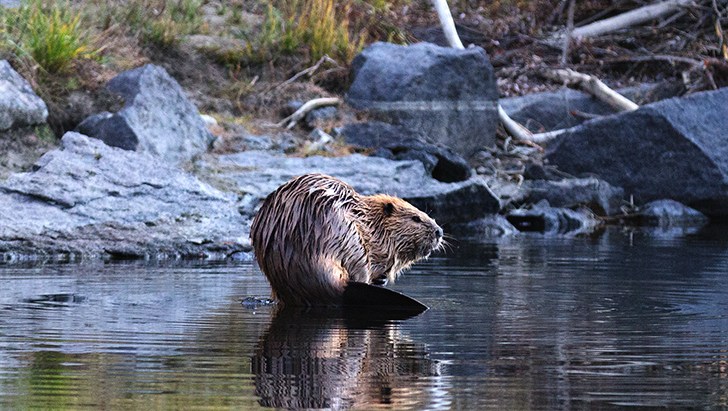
x=304 y=109
x=630 y=18
x=594 y=86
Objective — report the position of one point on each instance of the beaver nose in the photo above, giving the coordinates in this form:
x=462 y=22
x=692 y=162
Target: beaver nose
x=438 y=232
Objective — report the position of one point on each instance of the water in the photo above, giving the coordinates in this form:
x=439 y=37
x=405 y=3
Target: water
x=527 y=323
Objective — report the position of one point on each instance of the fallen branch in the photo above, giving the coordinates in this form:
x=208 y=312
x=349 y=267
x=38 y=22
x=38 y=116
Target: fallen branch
x=627 y=19
x=542 y=138
x=448 y=26
x=655 y=57
x=513 y=127
x=308 y=71
x=594 y=86
x=304 y=109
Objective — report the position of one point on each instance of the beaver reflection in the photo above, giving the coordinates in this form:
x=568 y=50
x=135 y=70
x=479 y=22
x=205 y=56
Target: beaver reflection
x=316 y=360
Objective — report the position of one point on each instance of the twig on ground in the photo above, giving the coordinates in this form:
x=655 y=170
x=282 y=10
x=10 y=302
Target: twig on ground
x=594 y=86
x=723 y=41
x=630 y=18
x=655 y=57
x=304 y=109
x=308 y=71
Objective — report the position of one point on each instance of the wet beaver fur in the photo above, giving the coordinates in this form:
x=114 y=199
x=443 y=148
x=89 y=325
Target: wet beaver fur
x=315 y=233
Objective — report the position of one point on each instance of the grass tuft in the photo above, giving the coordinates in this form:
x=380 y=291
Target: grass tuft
x=312 y=28
x=46 y=32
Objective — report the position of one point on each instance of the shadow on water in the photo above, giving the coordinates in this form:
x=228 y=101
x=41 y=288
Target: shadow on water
x=328 y=359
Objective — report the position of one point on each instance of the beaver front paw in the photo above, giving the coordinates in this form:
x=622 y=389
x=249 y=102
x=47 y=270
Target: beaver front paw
x=381 y=280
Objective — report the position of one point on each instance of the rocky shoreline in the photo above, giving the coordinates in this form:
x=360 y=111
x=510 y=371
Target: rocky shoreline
x=142 y=183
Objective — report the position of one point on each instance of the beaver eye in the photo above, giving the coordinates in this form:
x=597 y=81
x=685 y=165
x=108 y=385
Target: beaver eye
x=416 y=219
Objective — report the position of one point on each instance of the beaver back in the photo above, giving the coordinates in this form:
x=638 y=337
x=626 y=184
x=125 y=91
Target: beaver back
x=307 y=240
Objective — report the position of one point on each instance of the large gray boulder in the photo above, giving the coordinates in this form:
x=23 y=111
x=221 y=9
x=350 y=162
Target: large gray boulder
x=255 y=174
x=91 y=200
x=553 y=110
x=445 y=94
x=157 y=117
x=674 y=149
x=400 y=143
x=19 y=105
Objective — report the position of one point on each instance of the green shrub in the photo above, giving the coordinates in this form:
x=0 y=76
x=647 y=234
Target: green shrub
x=47 y=32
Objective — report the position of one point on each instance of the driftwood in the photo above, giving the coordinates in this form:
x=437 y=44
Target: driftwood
x=594 y=86
x=304 y=109
x=627 y=19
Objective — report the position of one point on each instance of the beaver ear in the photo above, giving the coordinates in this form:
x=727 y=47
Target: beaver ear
x=388 y=209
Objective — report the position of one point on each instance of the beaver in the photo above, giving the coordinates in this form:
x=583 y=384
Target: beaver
x=315 y=233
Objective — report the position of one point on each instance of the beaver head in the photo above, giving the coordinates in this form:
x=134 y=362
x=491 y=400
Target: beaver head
x=400 y=234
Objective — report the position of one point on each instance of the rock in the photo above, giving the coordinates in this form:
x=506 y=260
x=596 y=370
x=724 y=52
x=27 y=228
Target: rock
x=322 y=116
x=549 y=220
x=553 y=110
x=445 y=94
x=319 y=142
x=9 y=3
x=488 y=227
x=157 y=117
x=670 y=213
x=646 y=93
x=599 y=196
x=253 y=142
x=402 y=144
x=96 y=201
x=671 y=149
x=19 y=105
x=257 y=173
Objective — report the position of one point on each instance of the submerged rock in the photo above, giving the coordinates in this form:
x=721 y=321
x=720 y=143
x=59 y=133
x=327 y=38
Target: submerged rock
x=157 y=117
x=671 y=149
x=670 y=213
x=599 y=196
x=448 y=95
x=488 y=227
x=255 y=174
x=543 y=218
x=92 y=200
x=19 y=105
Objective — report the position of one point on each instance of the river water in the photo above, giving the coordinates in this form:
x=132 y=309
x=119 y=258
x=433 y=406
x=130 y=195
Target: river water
x=622 y=319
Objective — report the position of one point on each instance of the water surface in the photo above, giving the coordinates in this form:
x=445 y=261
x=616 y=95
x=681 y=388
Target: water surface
x=530 y=322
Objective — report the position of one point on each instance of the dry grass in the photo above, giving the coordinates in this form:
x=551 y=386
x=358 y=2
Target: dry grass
x=48 y=33
x=314 y=28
